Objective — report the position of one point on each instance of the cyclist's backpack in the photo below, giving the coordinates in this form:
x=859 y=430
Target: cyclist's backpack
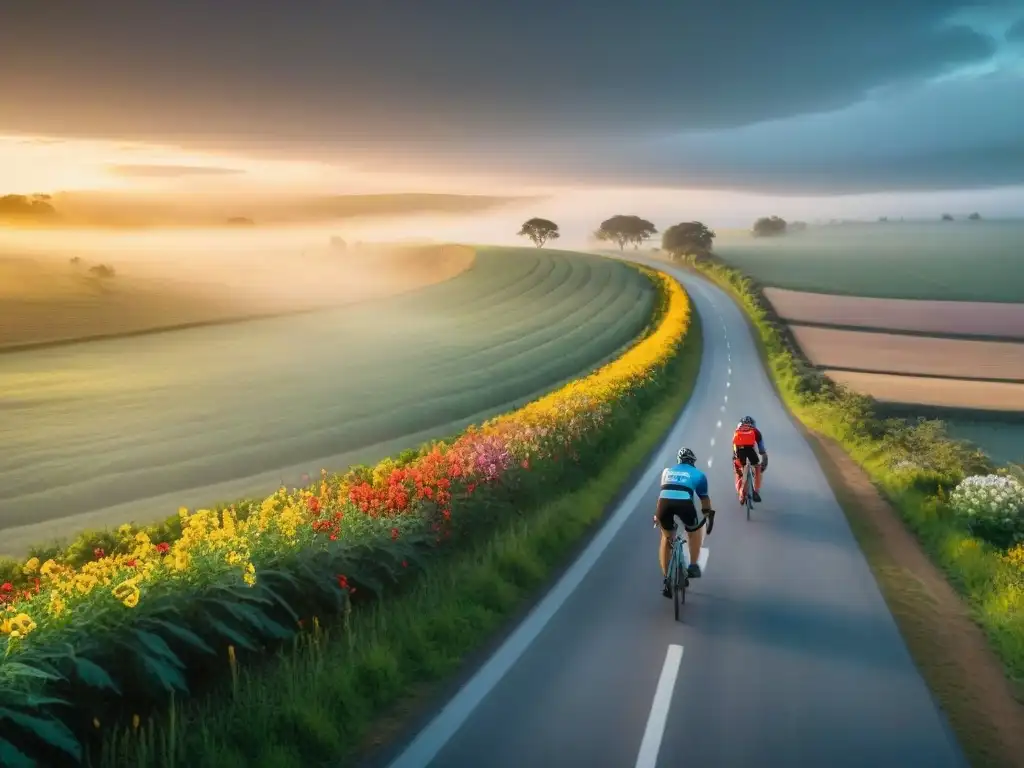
x=745 y=437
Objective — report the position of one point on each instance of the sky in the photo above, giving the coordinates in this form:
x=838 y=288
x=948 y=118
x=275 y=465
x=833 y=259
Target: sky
x=792 y=99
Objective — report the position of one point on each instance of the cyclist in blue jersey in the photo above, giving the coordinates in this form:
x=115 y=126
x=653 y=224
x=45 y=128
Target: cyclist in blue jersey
x=681 y=485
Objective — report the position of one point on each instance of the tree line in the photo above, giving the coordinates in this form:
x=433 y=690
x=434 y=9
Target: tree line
x=688 y=238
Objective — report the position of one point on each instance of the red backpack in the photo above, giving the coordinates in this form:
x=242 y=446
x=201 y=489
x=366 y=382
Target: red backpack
x=745 y=436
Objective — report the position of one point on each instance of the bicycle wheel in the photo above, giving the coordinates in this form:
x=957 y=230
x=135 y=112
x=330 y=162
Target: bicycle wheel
x=678 y=587
x=750 y=490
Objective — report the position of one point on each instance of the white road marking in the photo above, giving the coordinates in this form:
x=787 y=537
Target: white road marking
x=718 y=425
x=712 y=441
x=726 y=400
x=656 y=720
x=702 y=560
x=728 y=383
x=722 y=408
x=710 y=460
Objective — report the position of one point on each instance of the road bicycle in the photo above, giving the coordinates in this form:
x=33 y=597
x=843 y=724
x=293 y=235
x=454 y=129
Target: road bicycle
x=747 y=486
x=679 y=562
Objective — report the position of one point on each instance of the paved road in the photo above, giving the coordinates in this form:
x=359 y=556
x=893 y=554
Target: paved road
x=786 y=654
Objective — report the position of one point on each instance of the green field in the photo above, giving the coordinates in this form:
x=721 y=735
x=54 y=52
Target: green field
x=98 y=434
x=962 y=261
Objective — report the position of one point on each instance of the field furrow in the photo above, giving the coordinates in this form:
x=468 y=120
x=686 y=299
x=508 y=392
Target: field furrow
x=104 y=430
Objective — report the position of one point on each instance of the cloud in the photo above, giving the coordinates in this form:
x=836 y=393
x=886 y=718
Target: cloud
x=1015 y=33
x=628 y=90
x=169 y=171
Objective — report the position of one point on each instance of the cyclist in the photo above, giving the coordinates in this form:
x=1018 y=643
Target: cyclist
x=680 y=485
x=747 y=442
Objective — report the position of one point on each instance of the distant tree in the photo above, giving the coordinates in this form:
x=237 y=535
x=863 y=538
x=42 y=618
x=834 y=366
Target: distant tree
x=947 y=217
x=26 y=207
x=539 y=231
x=338 y=244
x=75 y=261
x=883 y=219
x=241 y=221
x=689 y=238
x=622 y=229
x=768 y=226
x=798 y=226
x=102 y=271
x=975 y=217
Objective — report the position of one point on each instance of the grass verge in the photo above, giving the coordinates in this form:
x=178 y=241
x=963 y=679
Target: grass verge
x=897 y=518
x=323 y=697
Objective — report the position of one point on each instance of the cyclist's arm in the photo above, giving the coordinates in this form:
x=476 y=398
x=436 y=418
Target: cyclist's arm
x=760 y=443
x=702 y=492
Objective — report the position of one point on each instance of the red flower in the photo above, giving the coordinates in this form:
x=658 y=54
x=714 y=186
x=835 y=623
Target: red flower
x=7 y=586
x=394 y=534
x=333 y=537
x=405 y=564
x=163 y=547
x=36 y=581
x=342 y=581
x=99 y=553
x=313 y=503
x=130 y=563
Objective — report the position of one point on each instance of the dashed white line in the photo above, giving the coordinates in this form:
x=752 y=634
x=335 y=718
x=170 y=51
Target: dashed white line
x=730 y=371
x=728 y=383
x=718 y=425
x=726 y=400
x=712 y=442
x=710 y=460
x=655 y=730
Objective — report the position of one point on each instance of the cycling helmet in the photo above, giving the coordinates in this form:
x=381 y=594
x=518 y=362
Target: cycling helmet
x=686 y=456
x=749 y=421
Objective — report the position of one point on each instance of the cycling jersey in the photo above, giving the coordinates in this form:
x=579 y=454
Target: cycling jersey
x=681 y=482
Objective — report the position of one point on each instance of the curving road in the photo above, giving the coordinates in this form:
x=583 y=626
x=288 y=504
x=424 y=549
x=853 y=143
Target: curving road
x=786 y=654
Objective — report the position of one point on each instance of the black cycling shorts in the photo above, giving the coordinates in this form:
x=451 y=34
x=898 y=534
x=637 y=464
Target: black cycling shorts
x=748 y=452
x=686 y=510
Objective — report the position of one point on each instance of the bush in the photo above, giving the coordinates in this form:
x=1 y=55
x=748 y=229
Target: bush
x=991 y=507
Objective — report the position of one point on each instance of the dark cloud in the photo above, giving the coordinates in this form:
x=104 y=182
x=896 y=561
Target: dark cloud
x=575 y=85
x=405 y=68
x=170 y=171
x=1015 y=34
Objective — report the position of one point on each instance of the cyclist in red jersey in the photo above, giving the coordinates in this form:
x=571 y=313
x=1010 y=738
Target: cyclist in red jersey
x=747 y=443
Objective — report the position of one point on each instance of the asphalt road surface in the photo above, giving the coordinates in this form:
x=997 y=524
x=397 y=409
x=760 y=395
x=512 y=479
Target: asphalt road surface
x=785 y=655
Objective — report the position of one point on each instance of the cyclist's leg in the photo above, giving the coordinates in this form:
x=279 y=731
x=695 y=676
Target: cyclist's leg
x=737 y=468
x=667 y=525
x=693 y=521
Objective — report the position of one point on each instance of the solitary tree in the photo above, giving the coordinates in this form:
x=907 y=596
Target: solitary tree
x=947 y=217
x=539 y=231
x=798 y=226
x=625 y=229
x=768 y=226
x=102 y=271
x=975 y=217
x=690 y=238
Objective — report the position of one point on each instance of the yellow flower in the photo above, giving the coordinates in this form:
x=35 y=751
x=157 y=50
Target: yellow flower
x=31 y=566
x=49 y=568
x=132 y=599
x=249 y=576
x=57 y=604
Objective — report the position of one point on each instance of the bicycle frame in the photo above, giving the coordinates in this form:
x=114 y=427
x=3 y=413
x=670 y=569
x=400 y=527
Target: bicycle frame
x=748 y=486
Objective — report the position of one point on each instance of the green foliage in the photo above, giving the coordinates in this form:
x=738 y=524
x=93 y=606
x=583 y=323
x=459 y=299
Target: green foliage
x=768 y=226
x=539 y=231
x=690 y=238
x=625 y=229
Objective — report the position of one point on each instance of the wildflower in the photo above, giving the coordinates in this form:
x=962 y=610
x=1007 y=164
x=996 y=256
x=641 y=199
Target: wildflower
x=163 y=547
x=6 y=587
x=31 y=566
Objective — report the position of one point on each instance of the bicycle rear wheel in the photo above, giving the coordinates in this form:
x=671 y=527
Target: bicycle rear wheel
x=750 y=490
x=678 y=586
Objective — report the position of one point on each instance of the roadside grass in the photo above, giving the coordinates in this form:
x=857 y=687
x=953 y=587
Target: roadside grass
x=993 y=589
x=319 y=700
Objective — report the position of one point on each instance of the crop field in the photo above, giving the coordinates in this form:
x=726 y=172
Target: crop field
x=957 y=261
x=1004 y=442
x=939 y=318
x=47 y=299
x=923 y=356
x=129 y=429
x=945 y=393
